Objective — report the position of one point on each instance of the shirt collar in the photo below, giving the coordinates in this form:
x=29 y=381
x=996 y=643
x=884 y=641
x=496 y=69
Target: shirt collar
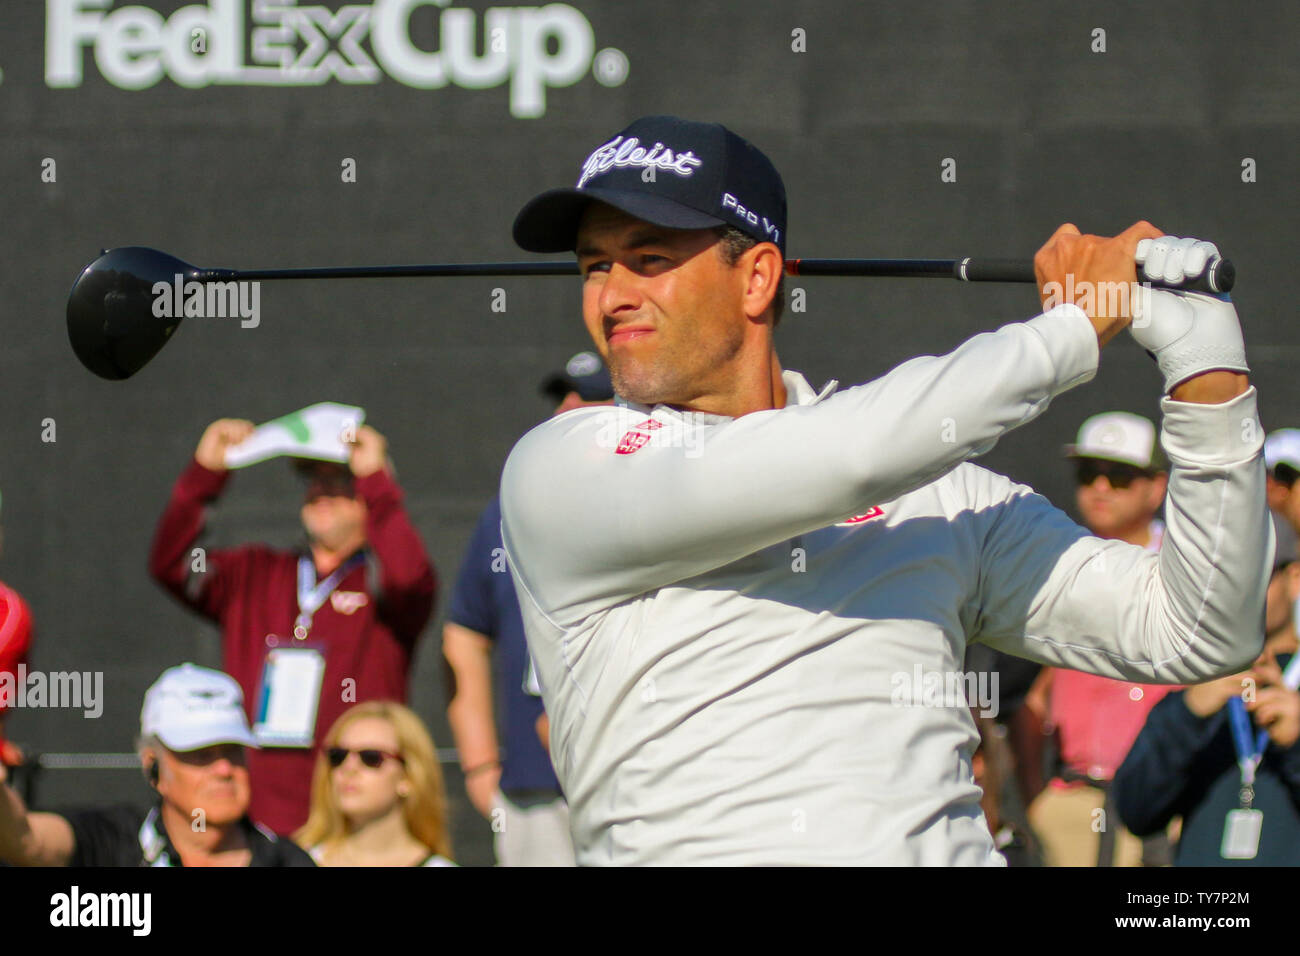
x=155 y=846
x=157 y=849
x=797 y=392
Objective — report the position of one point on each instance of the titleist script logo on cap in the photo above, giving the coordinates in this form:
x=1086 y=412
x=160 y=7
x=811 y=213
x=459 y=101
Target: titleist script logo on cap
x=629 y=152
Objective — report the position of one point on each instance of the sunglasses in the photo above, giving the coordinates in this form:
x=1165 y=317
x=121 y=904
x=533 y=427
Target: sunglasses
x=374 y=759
x=1117 y=474
x=1285 y=474
x=330 y=488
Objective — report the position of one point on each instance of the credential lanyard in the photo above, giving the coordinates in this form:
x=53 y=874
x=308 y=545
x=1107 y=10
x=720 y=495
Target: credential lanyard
x=1291 y=676
x=311 y=594
x=1249 y=752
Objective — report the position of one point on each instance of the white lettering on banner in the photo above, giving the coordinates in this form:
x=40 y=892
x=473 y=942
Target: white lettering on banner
x=135 y=47
x=630 y=152
x=769 y=228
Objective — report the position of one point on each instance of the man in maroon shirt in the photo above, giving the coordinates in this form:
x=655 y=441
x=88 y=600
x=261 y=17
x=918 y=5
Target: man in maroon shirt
x=305 y=633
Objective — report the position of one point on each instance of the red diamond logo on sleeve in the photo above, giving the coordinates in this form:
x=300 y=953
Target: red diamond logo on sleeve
x=867 y=515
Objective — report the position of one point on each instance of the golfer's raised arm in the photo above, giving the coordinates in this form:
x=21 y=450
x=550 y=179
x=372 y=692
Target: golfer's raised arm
x=1193 y=612
x=583 y=522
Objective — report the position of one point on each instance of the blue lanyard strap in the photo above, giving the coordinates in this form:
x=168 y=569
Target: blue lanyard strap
x=1249 y=752
x=1291 y=676
x=311 y=594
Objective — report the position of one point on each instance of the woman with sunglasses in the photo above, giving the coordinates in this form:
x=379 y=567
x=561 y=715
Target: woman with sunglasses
x=377 y=793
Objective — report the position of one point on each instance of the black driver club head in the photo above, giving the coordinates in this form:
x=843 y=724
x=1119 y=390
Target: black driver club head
x=111 y=320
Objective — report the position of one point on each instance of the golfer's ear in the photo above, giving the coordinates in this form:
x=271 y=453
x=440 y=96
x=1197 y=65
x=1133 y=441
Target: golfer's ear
x=764 y=267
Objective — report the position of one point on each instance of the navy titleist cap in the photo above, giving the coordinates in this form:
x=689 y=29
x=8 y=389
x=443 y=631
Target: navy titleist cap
x=668 y=171
x=585 y=374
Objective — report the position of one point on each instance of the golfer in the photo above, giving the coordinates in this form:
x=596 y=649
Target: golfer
x=748 y=599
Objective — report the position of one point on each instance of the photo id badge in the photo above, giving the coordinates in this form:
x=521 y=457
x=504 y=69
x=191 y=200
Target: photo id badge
x=1241 y=834
x=286 y=710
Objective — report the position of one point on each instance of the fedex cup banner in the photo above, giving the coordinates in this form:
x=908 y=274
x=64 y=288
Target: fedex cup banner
x=278 y=43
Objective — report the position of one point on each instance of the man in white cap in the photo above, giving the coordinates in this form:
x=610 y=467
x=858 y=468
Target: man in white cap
x=1121 y=478
x=1282 y=458
x=1121 y=486
x=192 y=739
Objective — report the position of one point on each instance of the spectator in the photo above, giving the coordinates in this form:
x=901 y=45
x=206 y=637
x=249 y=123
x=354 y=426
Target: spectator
x=1282 y=458
x=377 y=794
x=192 y=743
x=990 y=764
x=1234 y=781
x=304 y=632
x=484 y=620
x=15 y=642
x=1121 y=485
x=1021 y=738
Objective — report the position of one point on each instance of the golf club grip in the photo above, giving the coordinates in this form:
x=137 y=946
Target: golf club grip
x=1219 y=274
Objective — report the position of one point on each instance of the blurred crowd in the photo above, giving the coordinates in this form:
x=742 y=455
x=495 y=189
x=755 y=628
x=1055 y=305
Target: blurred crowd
x=1086 y=771
x=301 y=750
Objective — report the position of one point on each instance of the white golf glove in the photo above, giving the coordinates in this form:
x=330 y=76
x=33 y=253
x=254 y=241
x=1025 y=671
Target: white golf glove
x=1187 y=332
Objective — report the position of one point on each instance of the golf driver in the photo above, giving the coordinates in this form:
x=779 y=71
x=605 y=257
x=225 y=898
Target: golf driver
x=115 y=330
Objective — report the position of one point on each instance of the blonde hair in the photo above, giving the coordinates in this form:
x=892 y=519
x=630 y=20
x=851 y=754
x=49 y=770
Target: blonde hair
x=424 y=808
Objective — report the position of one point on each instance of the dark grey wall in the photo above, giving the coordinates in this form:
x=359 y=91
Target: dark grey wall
x=1043 y=131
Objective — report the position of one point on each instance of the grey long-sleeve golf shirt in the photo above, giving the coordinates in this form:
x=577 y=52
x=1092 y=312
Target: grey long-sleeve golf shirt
x=749 y=631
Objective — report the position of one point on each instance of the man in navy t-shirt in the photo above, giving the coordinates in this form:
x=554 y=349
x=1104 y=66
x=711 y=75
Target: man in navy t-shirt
x=514 y=787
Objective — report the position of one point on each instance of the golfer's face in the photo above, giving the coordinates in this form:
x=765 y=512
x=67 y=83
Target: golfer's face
x=663 y=309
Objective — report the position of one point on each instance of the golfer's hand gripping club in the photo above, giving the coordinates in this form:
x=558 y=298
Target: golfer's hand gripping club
x=1188 y=333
